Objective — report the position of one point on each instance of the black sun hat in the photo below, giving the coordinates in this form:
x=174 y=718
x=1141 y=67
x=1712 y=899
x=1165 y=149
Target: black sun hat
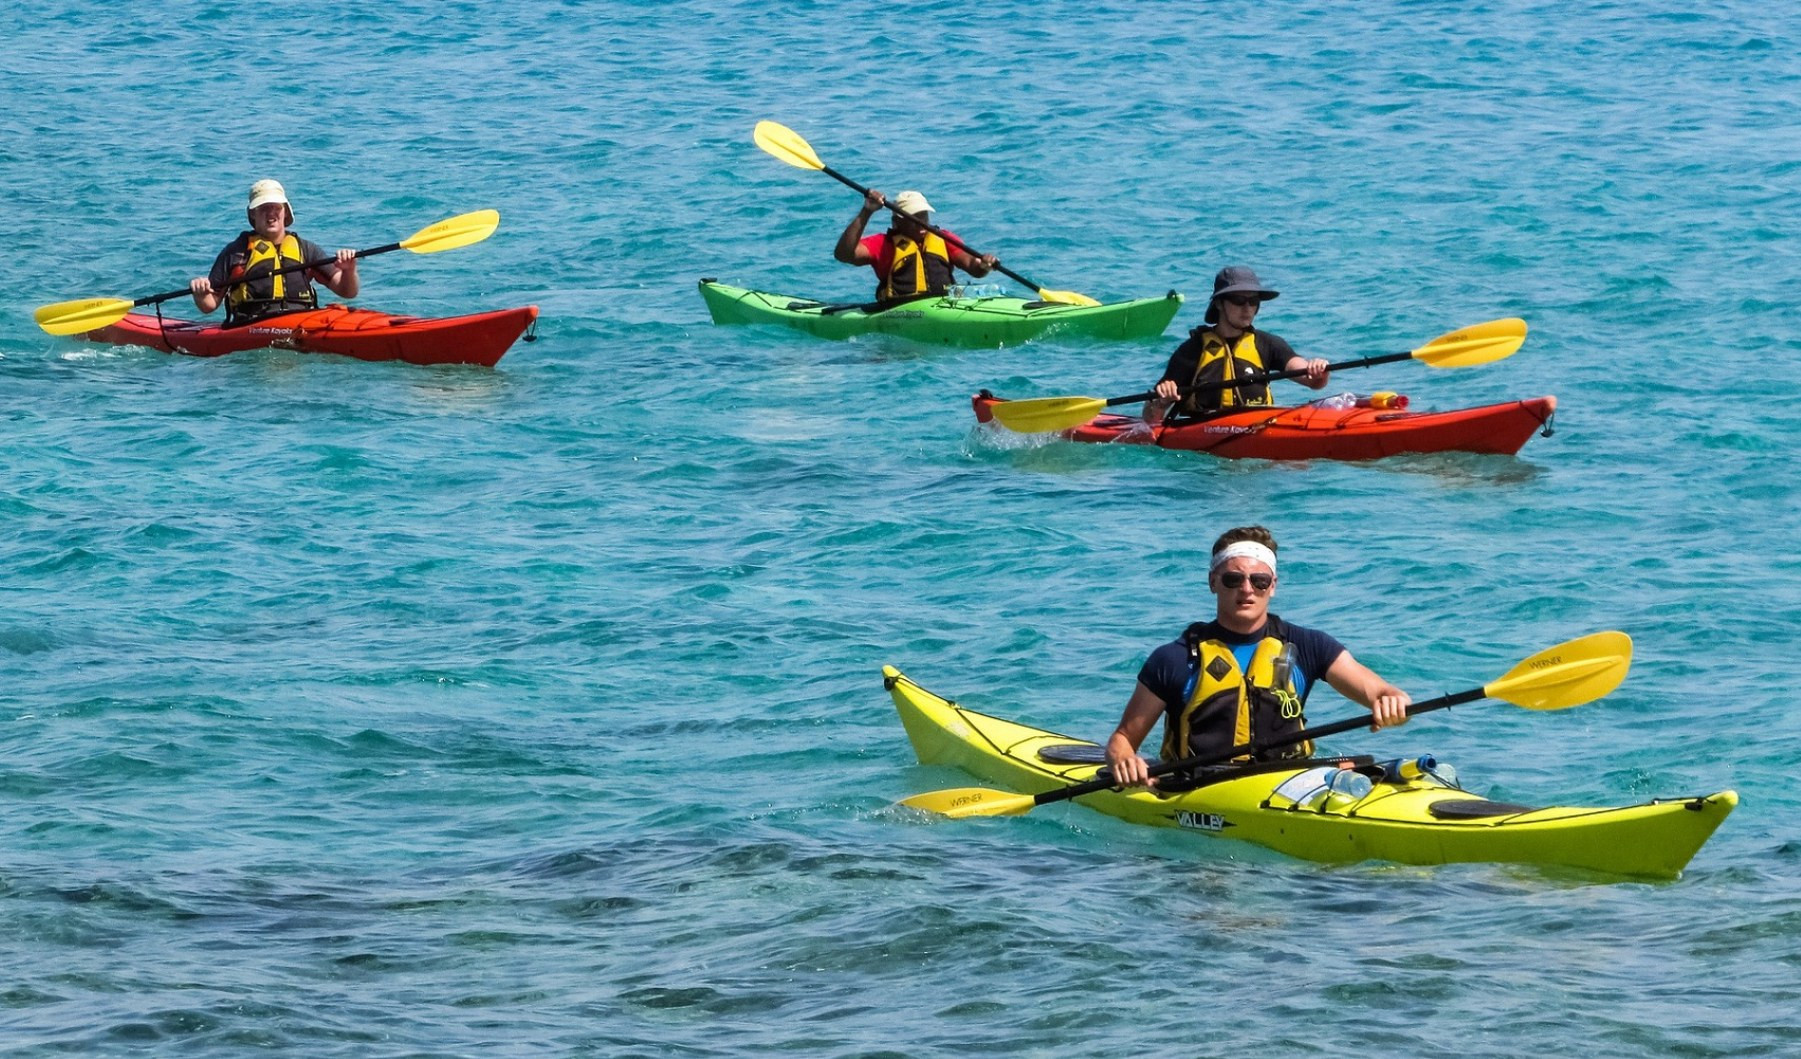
x=1236 y=279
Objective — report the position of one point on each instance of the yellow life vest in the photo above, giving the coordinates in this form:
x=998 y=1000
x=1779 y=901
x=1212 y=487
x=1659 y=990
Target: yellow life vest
x=915 y=268
x=256 y=292
x=1223 y=361
x=1229 y=707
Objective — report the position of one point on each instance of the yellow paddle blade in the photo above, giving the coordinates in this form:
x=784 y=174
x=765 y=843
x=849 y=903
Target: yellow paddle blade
x=959 y=802
x=450 y=234
x=81 y=316
x=1065 y=297
x=1569 y=674
x=1044 y=415
x=786 y=144
x=1476 y=344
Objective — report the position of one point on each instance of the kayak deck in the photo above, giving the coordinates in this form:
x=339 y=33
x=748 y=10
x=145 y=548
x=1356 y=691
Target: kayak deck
x=366 y=334
x=1422 y=821
x=1313 y=431
x=984 y=322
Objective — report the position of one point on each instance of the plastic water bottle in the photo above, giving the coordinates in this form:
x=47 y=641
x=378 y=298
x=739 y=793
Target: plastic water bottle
x=1342 y=400
x=1345 y=788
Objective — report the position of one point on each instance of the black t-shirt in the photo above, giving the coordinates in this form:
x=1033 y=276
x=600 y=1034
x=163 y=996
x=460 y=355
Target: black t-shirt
x=1274 y=349
x=1167 y=671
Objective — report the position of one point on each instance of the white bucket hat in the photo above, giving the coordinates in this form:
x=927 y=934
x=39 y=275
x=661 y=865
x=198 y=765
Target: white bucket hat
x=912 y=202
x=264 y=192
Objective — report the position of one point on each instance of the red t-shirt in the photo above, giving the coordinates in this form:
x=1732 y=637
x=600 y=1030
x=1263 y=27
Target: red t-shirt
x=883 y=253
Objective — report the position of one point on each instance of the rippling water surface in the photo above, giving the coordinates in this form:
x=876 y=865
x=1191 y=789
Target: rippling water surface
x=374 y=710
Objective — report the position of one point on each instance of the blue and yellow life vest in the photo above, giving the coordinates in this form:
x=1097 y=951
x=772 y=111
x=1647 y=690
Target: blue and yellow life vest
x=1229 y=706
x=1222 y=361
x=915 y=268
x=255 y=292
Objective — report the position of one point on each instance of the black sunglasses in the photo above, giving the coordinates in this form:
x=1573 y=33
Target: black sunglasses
x=1242 y=300
x=1234 y=579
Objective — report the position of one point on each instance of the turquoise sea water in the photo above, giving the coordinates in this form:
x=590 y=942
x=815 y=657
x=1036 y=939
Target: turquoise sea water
x=372 y=710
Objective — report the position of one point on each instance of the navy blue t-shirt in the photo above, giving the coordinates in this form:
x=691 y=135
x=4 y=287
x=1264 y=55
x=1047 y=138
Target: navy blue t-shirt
x=1167 y=671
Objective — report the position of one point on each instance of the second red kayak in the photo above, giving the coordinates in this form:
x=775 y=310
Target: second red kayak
x=365 y=334
x=1315 y=432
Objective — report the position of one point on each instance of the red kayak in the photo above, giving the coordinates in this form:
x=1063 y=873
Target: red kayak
x=1313 y=432
x=361 y=333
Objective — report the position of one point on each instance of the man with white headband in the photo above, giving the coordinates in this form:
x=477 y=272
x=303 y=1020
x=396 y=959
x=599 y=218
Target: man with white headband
x=908 y=260
x=246 y=275
x=1244 y=676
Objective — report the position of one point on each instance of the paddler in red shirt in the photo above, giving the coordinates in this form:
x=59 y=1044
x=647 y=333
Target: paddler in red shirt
x=909 y=261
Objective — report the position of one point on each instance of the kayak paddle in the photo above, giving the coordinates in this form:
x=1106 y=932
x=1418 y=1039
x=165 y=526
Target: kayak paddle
x=88 y=314
x=1569 y=674
x=1476 y=344
x=787 y=145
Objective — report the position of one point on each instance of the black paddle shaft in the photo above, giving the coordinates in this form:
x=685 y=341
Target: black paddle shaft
x=939 y=232
x=1253 y=749
x=1266 y=376
x=152 y=299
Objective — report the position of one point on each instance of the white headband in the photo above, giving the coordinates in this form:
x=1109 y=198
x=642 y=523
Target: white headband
x=1244 y=550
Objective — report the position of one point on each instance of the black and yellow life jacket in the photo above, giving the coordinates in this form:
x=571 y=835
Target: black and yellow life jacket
x=255 y=291
x=915 y=268
x=1228 y=706
x=1222 y=361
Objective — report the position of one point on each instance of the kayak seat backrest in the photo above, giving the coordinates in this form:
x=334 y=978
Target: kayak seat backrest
x=1474 y=809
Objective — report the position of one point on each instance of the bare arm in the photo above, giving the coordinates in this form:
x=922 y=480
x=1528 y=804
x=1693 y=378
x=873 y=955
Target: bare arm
x=1142 y=712
x=970 y=263
x=205 y=298
x=1355 y=681
x=340 y=277
x=1317 y=375
x=850 y=248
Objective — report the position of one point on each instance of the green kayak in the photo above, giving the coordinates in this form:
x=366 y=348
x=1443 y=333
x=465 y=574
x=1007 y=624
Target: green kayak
x=950 y=320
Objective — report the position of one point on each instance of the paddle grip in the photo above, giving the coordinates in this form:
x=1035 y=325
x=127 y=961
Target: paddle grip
x=1253 y=749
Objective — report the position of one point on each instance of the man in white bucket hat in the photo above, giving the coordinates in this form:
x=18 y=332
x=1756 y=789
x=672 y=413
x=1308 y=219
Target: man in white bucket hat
x=244 y=275
x=909 y=261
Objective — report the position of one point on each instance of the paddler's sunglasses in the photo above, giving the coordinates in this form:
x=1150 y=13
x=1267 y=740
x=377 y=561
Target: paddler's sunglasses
x=1242 y=300
x=1234 y=579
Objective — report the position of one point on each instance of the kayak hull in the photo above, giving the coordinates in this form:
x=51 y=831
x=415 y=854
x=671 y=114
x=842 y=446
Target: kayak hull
x=365 y=334
x=1312 y=432
x=968 y=323
x=1395 y=822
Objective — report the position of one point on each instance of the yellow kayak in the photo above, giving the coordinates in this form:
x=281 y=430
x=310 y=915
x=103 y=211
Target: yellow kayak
x=1418 y=820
